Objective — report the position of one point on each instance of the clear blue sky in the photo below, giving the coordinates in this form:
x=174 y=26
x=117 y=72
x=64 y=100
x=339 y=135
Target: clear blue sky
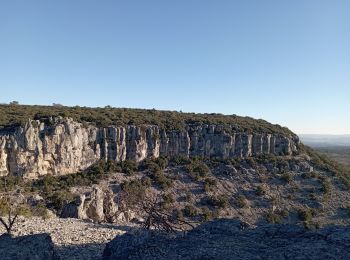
x=285 y=61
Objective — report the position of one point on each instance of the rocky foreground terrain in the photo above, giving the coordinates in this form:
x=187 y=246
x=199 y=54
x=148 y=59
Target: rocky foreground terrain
x=71 y=238
x=221 y=239
x=232 y=239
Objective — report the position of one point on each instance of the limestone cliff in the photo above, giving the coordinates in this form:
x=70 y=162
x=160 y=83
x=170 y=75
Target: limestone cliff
x=64 y=146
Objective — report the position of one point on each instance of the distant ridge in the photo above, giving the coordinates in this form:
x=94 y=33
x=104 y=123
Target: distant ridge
x=319 y=140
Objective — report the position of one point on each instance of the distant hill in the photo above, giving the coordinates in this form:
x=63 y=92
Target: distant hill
x=318 y=140
x=336 y=147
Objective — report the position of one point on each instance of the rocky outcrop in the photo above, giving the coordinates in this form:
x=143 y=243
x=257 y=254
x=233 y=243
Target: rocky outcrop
x=64 y=146
x=27 y=247
x=230 y=239
x=97 y=205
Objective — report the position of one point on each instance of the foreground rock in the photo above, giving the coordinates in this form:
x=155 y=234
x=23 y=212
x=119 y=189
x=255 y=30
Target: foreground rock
x=72 y=238
x=229 y=239
x=27 y=247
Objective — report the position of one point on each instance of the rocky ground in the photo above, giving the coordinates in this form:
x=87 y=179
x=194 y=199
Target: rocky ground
x=72 y=238
x=232 y=239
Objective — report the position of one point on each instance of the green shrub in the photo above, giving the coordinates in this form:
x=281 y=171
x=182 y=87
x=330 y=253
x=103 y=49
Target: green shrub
x=146 y=181
x=309 y=175
x=198 y=170
x=162 y=162
x=161 y=180
x=305 y=214
x=8 y=183
x=128 y=166
x=189 y=197
x=58 y=199
x=284 y=213
x=40 y=210
x=287 y=177
x=180 y=160
x=260 y=190
x=326 y=188
x=168 y=199
x=220 y=201
x=190 y=211
x=209 y=184
x=207 y=214
x=134 y=191
x=251 y=162
x=150 y=165
x=275 y=217
x=312 y=196
x=241 y=201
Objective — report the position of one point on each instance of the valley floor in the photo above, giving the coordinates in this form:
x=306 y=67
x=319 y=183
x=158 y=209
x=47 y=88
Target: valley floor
x=340 y=154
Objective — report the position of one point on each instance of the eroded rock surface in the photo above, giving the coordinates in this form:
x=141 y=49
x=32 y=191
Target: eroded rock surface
x=230 y=239
x=36 y=247
x=64 y=146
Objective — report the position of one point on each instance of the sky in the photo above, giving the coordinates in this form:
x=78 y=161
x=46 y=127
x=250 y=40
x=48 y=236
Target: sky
x=287 y=62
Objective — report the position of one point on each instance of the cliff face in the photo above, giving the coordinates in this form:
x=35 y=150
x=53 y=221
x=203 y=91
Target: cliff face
x=66 y=146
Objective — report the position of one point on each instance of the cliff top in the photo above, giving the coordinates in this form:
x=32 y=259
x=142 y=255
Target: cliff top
x=12 y=115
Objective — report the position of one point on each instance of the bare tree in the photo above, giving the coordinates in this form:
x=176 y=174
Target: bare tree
x=10 y=209
x=156 y=217
x=150 y=207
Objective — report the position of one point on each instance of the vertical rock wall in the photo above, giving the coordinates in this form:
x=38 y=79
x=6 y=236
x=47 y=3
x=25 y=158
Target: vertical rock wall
x=66 y=146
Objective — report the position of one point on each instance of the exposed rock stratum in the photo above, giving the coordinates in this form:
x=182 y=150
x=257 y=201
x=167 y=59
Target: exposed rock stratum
x=65 y=146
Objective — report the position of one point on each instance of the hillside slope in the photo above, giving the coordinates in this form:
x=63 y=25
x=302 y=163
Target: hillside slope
x=198 y=172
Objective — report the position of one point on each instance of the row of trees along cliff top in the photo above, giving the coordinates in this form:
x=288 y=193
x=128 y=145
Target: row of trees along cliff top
x=14 y=115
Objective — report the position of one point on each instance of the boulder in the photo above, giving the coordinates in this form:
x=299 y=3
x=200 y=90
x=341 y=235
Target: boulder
x=35 y=247
x=97 y=205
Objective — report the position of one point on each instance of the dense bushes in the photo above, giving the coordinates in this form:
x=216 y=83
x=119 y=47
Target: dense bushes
x=276 y=217
x=133 y=193
x=58 y=199
x=155 y=170
x=169 y=120
x=261 y=190
x=209 y=184
x=161 y=180
x=153 y=164
x=305 y=214
x=190 y=211
x=220 y=201
x=198 y=169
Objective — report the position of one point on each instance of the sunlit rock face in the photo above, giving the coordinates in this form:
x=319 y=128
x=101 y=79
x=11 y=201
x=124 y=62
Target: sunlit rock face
x=64 y=146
